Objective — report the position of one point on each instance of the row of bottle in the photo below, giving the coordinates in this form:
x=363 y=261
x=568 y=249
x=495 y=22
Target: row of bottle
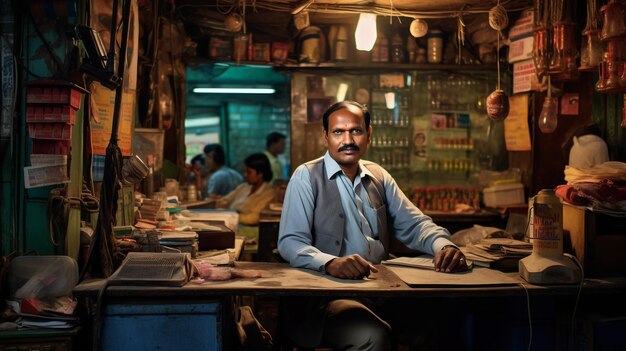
x=386 y=140
x=454 y=143
x=455 y=165
x=445 y=198
x=391 y=160
x=396 y=51
x=390 y=118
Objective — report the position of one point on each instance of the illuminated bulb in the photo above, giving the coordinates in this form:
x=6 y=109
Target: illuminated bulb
x=341 y=91
x=365 y=33
x=390 y=100
x=547 y=117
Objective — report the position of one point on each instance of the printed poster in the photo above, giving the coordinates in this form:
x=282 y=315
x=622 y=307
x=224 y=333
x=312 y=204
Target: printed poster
x=516 y=132
x=102 y=98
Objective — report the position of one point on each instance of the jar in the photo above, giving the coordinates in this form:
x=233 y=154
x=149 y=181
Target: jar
x=380 y=52
x=434 y=42
x=397 y=49
x=341 y=44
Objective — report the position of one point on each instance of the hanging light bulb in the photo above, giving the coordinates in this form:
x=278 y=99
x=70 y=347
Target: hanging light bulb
x=547 y=117
x=365 y=33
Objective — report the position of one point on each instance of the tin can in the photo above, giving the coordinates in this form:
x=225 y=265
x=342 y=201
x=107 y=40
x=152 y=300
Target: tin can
x=547 y=224
x=192 y=193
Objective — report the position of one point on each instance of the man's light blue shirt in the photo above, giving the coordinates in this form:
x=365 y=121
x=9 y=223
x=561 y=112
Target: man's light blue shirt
x=411 y=226
x=223 y=181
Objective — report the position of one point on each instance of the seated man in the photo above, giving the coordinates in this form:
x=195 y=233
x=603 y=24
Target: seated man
x=338 y=216
x=223 y=179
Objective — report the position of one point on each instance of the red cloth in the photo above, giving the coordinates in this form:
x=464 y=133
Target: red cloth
x=605 y=194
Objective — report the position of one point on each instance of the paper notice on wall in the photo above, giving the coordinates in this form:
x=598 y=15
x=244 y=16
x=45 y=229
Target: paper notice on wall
x=37 y=176
x=516 y=132
x=103 y=99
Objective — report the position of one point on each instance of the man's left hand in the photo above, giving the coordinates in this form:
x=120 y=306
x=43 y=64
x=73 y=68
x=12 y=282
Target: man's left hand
x=450 y=259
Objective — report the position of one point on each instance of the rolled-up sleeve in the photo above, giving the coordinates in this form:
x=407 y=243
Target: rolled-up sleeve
x=295 y=240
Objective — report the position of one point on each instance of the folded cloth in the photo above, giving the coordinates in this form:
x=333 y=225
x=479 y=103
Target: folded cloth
x=605 y=194
x=569 y=194
x=612 y=170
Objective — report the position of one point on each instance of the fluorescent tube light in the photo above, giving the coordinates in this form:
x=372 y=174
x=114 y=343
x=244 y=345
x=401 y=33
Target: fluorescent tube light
x=234 y=90
x=202 y=122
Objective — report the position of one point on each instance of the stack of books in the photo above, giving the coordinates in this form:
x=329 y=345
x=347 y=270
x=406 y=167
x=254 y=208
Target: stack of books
x=500 y=253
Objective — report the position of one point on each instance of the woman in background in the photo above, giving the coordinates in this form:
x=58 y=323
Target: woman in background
x=252 y=196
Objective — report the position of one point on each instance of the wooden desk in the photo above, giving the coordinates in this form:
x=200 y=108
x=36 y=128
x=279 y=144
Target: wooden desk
x=281 y=279
x=208 y=304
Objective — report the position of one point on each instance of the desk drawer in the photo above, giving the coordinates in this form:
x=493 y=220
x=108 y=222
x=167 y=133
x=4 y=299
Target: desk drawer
x=167 y=326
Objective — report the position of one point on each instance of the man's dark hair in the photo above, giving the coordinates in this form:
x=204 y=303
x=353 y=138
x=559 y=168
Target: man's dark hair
x=217 y=151
x=345 y=104
x=274 y=137
x=197 y=158
x=261 y=164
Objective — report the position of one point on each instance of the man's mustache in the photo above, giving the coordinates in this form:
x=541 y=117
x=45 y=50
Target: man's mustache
x=350 y=147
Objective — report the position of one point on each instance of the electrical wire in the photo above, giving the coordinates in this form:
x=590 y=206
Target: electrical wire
x=580 y=289
x=383 y=10
x=530 y=321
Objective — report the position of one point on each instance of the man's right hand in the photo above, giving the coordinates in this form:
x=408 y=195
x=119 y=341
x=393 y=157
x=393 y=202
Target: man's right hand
x=350 y=267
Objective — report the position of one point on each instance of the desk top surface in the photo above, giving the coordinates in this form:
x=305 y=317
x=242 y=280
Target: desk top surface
x=280 y=279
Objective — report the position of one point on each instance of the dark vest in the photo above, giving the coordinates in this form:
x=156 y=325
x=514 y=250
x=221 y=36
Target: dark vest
x=328 y=215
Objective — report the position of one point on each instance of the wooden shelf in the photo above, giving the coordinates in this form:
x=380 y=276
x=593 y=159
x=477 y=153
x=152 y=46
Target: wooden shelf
x=352 y=66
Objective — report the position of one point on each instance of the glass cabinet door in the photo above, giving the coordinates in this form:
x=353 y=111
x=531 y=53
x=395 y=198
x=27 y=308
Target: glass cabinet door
x=429 y=128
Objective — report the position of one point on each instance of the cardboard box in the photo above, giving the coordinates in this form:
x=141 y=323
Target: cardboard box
x=521 y=49
x=504 y=195
x=524 y=77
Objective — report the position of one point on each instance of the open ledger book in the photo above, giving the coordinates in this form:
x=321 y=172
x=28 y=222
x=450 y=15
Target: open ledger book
x=424 y=262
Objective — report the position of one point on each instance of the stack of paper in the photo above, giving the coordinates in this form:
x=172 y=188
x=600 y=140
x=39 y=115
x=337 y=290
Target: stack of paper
x=497 y=252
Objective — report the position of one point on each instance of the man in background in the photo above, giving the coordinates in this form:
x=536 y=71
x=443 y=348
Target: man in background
x=275 y=145
x=223 y=178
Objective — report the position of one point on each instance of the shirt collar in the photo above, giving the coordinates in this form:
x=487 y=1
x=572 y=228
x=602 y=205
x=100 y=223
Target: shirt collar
x=332 y=167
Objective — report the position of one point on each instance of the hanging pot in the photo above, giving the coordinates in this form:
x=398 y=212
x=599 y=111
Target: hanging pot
x=497 y=106
x=555 y=65
x=540 y=52
x=594 y=48
x=613 y=20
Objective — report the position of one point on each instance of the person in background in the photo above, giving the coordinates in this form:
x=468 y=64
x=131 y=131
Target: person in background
x=198 y=174
x=588 y=148
x=338 y=216
x=252 y=196
x=223 y=179
x=274 y=146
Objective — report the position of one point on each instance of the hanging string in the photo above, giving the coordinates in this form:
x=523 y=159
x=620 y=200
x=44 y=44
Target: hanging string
x=460 y=34
x=549 y=87
x=498 y=59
